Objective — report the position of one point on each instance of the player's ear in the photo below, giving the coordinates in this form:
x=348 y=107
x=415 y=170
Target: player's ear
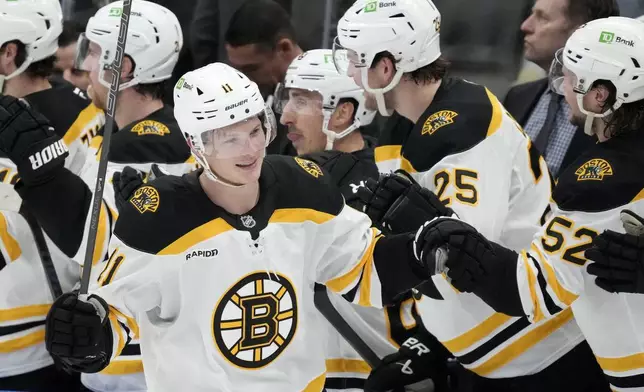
x=385 y=70
x=127 y=70
x=8 y=55
x=342 y=117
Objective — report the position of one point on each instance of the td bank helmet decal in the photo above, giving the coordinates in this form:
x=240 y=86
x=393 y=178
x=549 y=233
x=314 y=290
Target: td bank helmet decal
x=255 y=320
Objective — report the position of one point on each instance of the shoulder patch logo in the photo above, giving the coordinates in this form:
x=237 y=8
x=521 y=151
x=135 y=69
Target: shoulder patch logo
x=255 y=320
x=437 y=121
x=145 y=199
x=310 y=167
x=150 y=127
x=595 y=170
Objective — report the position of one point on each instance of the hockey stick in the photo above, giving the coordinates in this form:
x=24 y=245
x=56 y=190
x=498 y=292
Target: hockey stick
x=107 y=136
x=324 y=305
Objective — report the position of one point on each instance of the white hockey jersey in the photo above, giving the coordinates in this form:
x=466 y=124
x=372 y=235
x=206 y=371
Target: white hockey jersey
x=552 y=273
x=25 y=297
x=228 y=299
x=469 y=151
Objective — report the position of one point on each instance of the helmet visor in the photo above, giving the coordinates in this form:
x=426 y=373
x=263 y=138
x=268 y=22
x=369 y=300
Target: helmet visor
x=344 y=58
x=245 y=137
x=560 y=76
x=297 y=100
x=87 y=54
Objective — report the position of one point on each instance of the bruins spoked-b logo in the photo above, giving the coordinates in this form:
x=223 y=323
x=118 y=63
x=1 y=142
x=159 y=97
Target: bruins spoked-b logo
x=145 y=199
x=255 y=320
x=595 y=169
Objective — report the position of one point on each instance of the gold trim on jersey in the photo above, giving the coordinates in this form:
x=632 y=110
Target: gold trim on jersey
x=481 y=331
x=639 y=196
x=388 y=153
x=84 y=117
x=317 y=384
x=298 y=215
x=131 y=323
x=564 y=296
x=121 y=367
x=497 y=114
x=195 y=236
x=340 y=283
x=622 y=364
x=119 y=331
x=341 y=365
x=522 y=344
x=532 y=283
x=24 y=312
x=20 y=343
x=10 y=243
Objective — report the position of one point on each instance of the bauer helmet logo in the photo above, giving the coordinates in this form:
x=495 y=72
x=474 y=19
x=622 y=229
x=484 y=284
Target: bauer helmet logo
x=149 y=127
x=236 y=104
x=594 y=170
x=437 y=121
x=310 y=167
x=255 y=320
x=145 y=199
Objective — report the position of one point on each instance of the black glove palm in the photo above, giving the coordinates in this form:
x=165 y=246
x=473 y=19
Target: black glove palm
x=618 y=262
x=29 y=140
x=397 y=204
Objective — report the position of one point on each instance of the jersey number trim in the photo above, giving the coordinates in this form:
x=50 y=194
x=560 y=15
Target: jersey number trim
x=462 y=180
x=553 y=240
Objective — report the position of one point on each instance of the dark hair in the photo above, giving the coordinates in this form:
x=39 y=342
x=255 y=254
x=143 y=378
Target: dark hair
x=352 y=102
x=152 y=90
x=71 y=31
x=433 y=72
x=260 y=22
x=584 y=11
x=629 y=117
x=43 y=68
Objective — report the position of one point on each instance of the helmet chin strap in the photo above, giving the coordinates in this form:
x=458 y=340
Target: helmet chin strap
x=591 y=116
x=379 y=93
x=15 y=73
x=331 y=136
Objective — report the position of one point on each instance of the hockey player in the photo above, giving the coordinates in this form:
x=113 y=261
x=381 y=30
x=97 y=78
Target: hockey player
x=599 y=73
x=147 y=133
x=224 y=294
x=473 y=155
x=324 y=112
x=29 y=31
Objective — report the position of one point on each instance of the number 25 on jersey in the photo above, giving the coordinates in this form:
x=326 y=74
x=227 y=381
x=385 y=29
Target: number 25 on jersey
x=463 y=182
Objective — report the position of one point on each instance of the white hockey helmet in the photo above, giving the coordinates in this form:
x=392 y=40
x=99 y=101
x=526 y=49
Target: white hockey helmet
x=604 y=49
x=315 y=71
x=207 y=101
x=154 y=40
x=408 y=29
x=35 y=23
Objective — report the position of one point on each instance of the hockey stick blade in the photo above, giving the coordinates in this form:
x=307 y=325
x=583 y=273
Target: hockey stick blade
x=324 y=305
x=107 y=136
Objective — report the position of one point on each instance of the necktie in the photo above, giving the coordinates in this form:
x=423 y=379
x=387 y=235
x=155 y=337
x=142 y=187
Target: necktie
x=541 y=143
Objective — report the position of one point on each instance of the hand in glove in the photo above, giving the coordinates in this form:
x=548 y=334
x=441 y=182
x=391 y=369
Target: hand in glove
x=398 y=204
x=125 y=183
x=416 y=367
x=619 y=258
x=471 y=262
x=29 y=140
x=77 y=333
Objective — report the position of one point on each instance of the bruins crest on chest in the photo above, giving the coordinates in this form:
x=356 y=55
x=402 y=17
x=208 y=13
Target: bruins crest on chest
x=595 y=170
x=310 y=167
x=255 y=320
x=437 y=121
x=150 y=127
x=145 y=199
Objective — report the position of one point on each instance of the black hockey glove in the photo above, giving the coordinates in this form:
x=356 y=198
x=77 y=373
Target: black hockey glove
x=416 y=367
x=30 y=141
x=471 y=262
x=398 y=204
x=619 y=258
x=129 y=180
x=77 y=333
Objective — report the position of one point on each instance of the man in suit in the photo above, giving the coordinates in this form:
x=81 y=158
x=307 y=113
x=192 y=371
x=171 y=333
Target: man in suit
x=542 y=113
